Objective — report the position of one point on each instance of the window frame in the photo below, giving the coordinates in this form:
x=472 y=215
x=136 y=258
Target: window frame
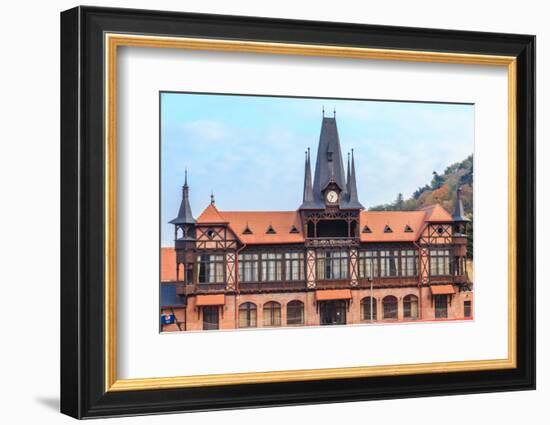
x=290 y=262
x=410 y=299
x=202 y=265
x=294 y=304
x=365 y=314
x=368 y=258
x=341 y=260
x=274 y=321
x=277 y=261
x=254 y=264
x=386 y=258
x=384 y=308
x=440 y=267
x=249 y=309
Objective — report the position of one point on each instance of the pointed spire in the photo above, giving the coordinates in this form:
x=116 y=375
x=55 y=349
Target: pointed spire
x=458 y=214
x=185 y=216
x=307 y=200
x=353 y=199
x=348 y=175
x=330 y=164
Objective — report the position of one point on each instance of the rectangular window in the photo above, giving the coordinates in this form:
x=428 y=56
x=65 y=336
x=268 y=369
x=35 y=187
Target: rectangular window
x=389 y=263
x=294 y=266
x=272 y=267
x=467 y=309
x=248 y=267
x=440 y=306
x=440 y=262
x=332 y=265
x=211 y=268
x=409 y=262
x=368 y=264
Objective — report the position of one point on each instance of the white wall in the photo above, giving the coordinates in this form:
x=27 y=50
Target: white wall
x=29 y=207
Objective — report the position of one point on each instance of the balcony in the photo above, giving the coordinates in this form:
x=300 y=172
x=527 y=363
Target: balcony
x=333 y=284
x=389 y=281
x=331 y=242
x=272 y=286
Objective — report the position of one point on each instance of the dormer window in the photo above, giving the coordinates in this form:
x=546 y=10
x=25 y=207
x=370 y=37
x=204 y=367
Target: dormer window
x=270 y=230
x=408 y=229
x=247 y=230
x=366 y=229
x=294 y=229
x=329 y=156
x=388 y=229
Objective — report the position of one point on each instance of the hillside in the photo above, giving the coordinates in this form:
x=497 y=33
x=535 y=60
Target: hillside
x=442 y=190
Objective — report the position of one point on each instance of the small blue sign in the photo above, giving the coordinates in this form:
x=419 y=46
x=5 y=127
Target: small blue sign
x=167 y=319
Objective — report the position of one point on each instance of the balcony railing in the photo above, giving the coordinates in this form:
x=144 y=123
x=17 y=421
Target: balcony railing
x=272 y=286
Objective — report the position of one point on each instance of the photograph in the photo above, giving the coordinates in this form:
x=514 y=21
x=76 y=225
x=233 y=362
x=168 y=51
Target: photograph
x=296 y=211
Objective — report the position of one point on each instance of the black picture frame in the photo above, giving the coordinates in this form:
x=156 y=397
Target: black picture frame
x=82 y=205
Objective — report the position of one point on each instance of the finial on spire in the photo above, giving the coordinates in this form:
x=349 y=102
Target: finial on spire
x=334 y=112
x=308 y=155
x=323 y=111
x=185 y=182
x=212 y=200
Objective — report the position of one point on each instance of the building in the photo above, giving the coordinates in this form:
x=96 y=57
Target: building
x=329 y=262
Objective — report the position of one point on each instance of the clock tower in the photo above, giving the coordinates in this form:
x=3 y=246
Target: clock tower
x=330 y=207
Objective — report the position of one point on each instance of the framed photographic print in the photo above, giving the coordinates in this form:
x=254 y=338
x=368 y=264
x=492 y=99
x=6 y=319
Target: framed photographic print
x=261 y=212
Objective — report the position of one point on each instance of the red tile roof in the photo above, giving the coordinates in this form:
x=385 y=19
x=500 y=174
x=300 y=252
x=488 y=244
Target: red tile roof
x=390 y=226
x=436 y=213
x=167 y=264
x=384 y=226
x=258 y=222
x=211 y=215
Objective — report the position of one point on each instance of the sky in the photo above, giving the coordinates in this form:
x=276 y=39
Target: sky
x=249 y=150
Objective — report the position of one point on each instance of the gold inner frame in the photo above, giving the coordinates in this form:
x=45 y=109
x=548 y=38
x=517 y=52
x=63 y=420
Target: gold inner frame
x=113 y=41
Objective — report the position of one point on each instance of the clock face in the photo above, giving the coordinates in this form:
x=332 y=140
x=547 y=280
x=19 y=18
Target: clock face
x=332 y=197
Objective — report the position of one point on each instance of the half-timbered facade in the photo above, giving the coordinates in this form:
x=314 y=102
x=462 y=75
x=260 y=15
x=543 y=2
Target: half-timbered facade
x=330 y=262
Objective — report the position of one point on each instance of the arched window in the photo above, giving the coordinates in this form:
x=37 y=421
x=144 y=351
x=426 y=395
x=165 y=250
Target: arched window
x=248 y=315
x=272 y=314
x=389 y=305
x=410 y=307
x=295 y=313
x=366 y=312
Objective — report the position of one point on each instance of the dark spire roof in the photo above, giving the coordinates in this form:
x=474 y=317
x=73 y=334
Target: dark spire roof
x=185 y=216
x=329 y=159
x=352 y=200
x=348 y=176
x=458 y=214
x=308 y=200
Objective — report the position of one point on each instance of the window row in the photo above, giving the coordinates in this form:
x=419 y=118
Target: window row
x=248 y=314
x=389 y=308
x=330 y=265
x=271 y=267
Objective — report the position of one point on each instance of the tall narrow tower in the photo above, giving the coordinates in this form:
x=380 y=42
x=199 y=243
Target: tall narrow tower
x=184 y=237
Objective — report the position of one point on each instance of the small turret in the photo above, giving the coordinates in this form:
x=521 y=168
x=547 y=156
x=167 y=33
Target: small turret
x=460 y=220
x=184 y=235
